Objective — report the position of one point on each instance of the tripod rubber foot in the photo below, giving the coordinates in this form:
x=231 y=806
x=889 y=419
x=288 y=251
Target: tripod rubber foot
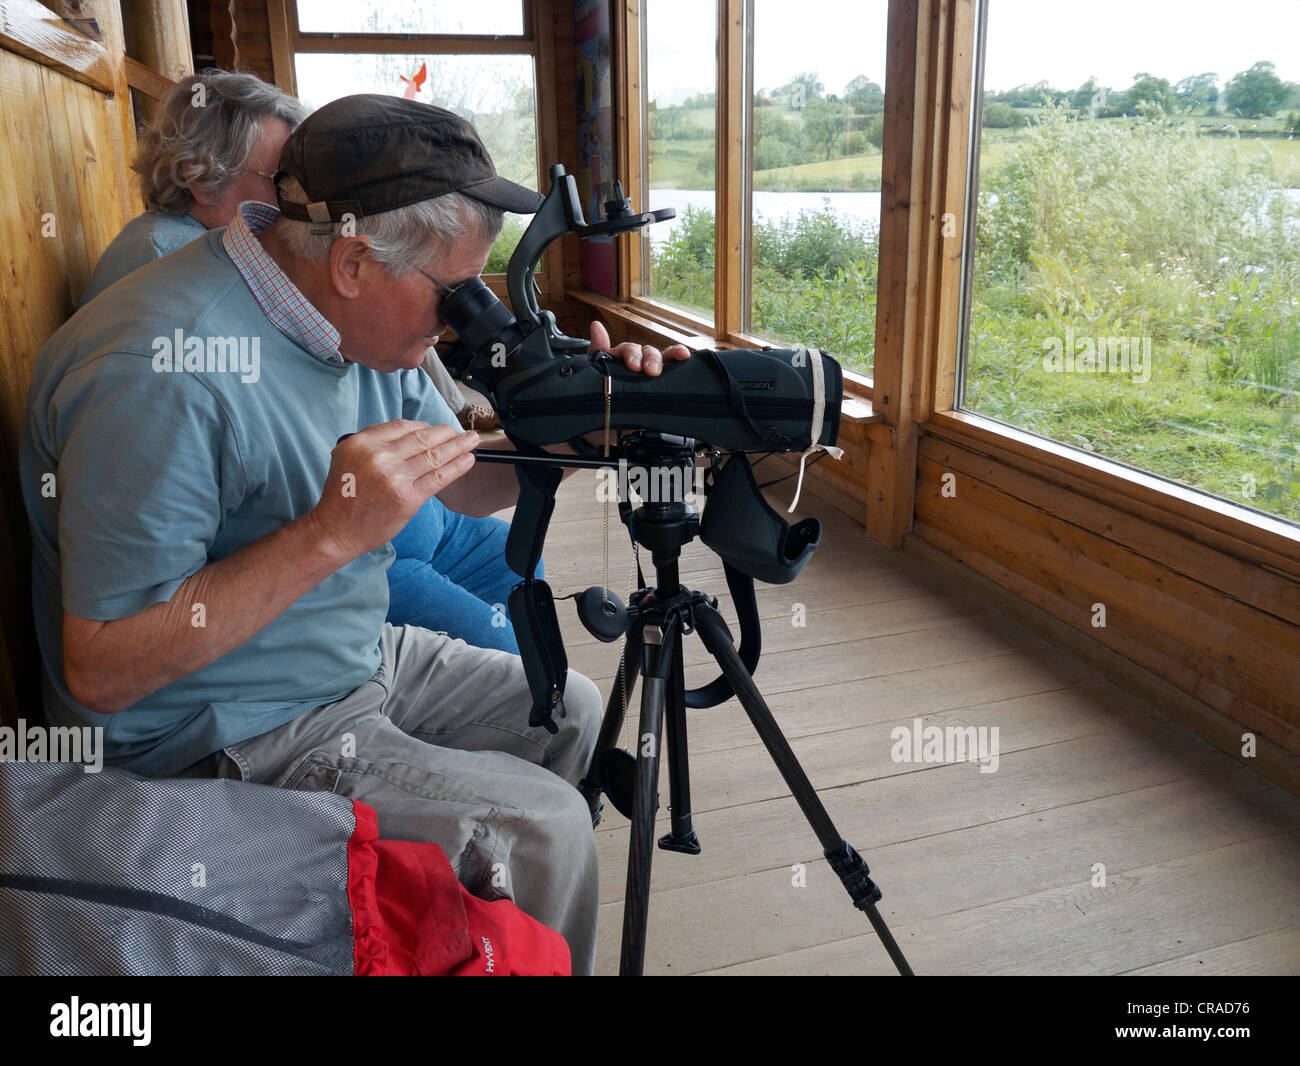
x=852 y=870
x=687 y=845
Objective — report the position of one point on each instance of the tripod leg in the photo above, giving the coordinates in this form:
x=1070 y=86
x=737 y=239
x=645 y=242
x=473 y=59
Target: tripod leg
x=658 y=649
x=593 y=783
x=847 y=863
x=682 y=837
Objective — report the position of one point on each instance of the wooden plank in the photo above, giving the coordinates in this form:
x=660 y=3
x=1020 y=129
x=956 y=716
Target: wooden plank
x=147 y=81
x=1275 y=953
x=1151 y=650
x=1211 y=712
x=1258 y=539
x=1252 y=636
x=626 y=74
x=839 y=760
x=1250 y=584
x=1070 y=929
x=548 y=104
x=19 y=678
x=732 y=171
x=1193 y=669
x=415 y=43
x=33 y=270
x=948 y=227
x=932 y=96
x=1201 y=643
x=982 y=852
x=32 y=30
x=890 y=475
x=118 y=120
x=286 y=77
x=63 y=192
x=93 y=135
x=890 y=824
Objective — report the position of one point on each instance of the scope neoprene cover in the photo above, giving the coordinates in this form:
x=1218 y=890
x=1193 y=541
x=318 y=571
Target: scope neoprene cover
x=739 y=400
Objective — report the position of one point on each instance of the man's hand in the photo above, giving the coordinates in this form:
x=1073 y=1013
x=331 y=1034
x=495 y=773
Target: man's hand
x=643 y=357
x=381 y=476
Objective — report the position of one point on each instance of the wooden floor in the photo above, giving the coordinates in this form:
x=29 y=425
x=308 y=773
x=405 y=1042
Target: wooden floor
x=982 y=873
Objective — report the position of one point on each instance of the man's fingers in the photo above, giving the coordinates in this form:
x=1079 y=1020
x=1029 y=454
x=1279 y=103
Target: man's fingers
x=424 y=436
x=599 y=338
x=435 y=457
x=648 y=359
x=435 y=479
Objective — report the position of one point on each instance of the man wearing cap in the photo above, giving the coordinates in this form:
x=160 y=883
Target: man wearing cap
x=210 y=553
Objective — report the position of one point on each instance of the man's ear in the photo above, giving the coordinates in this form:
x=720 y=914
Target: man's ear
x=348 y=257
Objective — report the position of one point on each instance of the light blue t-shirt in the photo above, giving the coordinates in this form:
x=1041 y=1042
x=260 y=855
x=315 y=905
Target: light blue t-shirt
x=145 y=238
x=136 y=476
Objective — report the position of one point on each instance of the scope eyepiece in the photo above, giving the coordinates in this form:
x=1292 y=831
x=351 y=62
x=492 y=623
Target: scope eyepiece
x=477 y=316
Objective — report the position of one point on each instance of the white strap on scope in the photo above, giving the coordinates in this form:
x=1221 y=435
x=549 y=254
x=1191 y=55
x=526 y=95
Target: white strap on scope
x=818 y=416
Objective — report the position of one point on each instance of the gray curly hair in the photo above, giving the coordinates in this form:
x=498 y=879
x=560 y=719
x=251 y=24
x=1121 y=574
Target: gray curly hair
x=192 y=145
x=399 y=238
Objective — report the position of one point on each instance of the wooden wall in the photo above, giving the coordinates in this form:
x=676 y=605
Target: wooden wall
x=1213 y=618
x=64 y=150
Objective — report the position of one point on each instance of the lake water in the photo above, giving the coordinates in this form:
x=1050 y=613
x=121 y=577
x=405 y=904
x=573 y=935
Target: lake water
x=860 y=207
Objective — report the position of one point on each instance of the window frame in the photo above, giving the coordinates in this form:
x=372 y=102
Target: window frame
x=537 y=42
x=928 y=167
x=1266 y=539
x=733 y=182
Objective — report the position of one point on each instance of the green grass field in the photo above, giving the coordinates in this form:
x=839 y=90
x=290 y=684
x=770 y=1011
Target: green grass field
x=689 y=164
x=1285 y=152
x=1107 y=228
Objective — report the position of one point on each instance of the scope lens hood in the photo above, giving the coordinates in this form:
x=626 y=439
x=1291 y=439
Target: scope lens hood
x=740 y=525
x=474 y=312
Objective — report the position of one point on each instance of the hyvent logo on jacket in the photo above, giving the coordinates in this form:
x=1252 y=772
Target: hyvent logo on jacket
x=102 y=1019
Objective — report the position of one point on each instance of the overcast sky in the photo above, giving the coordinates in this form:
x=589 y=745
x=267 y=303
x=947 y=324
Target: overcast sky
x=1061 y=41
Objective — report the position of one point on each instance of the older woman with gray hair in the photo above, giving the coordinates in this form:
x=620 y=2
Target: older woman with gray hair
x=215 y=143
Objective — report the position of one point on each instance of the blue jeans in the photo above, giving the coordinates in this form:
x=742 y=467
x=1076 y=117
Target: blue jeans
x=450 y=575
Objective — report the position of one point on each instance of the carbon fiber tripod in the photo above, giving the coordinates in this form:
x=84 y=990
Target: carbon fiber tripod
x=658 y=619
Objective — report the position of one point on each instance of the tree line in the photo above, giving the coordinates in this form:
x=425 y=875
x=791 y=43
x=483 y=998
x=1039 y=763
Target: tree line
x=798 y=122
x=1249 y=94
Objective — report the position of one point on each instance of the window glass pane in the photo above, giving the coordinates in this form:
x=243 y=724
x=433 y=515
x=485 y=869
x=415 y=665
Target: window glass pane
x=681 y=87
x=818 y=123
x=495 y=92
x=1136 y=276
x=503 y=17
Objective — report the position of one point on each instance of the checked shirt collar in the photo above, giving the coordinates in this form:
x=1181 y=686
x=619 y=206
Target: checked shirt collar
x=280 y=300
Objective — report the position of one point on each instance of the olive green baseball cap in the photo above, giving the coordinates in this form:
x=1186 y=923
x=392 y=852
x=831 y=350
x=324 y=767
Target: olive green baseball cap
x=366 y=154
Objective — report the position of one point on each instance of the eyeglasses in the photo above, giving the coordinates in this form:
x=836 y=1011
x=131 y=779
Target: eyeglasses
x=447 y=289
